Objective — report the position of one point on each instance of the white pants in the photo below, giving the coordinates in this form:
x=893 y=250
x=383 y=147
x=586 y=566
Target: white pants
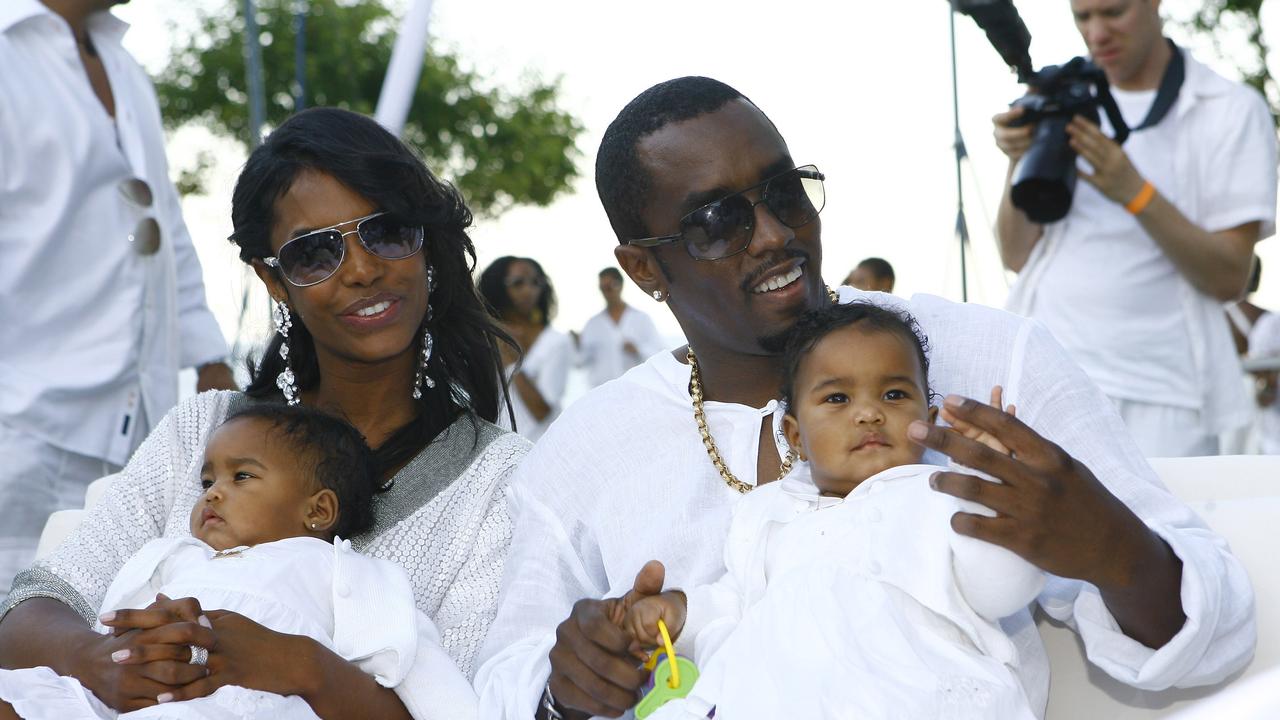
x=1166 y=431
x=36 y=479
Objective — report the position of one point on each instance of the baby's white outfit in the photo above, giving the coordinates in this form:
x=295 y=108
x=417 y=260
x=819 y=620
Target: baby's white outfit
x=869 y=606
x=360 y=607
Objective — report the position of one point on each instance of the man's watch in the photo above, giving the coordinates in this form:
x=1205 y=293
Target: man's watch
x=549 y=704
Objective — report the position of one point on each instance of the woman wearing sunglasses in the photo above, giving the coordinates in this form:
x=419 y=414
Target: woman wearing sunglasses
x=520 y=295
x=366 y=259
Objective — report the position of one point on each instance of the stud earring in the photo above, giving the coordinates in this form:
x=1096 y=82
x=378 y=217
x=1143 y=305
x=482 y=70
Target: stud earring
x=657 y=295
x=313 y=526
x=421 y=377
x=285 y=380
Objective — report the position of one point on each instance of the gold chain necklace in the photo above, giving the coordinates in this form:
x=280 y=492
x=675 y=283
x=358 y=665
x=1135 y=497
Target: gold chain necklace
x=699 y=415
x=695 y=389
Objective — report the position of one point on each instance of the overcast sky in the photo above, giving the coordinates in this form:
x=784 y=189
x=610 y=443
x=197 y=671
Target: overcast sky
x=861 y=89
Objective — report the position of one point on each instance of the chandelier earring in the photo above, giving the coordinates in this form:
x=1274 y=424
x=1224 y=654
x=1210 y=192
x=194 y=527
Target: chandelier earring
x=285 y=380
x=421 y=377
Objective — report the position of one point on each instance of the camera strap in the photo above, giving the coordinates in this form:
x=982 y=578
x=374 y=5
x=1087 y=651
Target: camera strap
x=1170 y=85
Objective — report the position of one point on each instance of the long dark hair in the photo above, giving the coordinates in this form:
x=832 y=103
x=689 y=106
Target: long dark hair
x=363 y=156
x=493 y=288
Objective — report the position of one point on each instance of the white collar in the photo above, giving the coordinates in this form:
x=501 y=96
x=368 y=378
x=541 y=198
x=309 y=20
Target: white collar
x=15 y=12
x=800 y=485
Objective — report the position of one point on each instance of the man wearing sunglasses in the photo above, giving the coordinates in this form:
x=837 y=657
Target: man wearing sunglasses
x=101 y=293
x=715 y=218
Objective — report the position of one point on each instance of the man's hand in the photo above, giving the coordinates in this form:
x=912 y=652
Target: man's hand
x=594 y=663
x=1113 y=174
x=215 y=376
x=1012 y=141
x=1052 y=511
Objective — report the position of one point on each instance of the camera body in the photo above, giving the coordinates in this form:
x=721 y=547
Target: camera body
x=1045 y=180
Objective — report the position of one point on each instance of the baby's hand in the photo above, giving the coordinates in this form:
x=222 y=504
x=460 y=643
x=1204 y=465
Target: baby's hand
x=982 y=436
x=641 y=619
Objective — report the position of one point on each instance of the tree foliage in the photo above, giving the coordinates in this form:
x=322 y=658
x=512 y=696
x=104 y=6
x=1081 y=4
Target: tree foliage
x=1245 y=16
x=500 y=147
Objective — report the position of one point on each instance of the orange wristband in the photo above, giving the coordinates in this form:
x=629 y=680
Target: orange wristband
x=1142 y=199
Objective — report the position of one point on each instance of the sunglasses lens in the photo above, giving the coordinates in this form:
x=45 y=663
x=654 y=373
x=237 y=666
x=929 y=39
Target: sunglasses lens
x=720 y=229
x=797 y=197
x=311 y=258
x=137 y=192
x=390 y=239
x=146 y=237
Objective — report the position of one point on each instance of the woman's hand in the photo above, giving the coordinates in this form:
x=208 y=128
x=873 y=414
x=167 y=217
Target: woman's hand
x=251 y=656
x=147 y=655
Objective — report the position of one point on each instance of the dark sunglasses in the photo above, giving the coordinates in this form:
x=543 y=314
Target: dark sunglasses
x=520 y=281
x=145 y=238
x=725 y=227
x=315 y=257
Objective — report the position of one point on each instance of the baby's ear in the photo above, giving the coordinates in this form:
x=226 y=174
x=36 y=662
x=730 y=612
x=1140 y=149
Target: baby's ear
x=322 y=510
x=933 y=414
x=791 y=431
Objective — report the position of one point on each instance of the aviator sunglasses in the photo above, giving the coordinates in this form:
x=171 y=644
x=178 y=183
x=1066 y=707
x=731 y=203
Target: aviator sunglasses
x=725 y=227
x=313 y=258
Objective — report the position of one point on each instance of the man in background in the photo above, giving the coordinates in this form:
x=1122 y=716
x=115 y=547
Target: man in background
x=101 y=297
x=874 y=274
x=1160 y=234
x=617 y=338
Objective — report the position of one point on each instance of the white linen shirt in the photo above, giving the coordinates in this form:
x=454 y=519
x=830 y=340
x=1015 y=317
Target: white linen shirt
x=623 y=478
x=602 y=340
x=92 y=334
x=1111 y=295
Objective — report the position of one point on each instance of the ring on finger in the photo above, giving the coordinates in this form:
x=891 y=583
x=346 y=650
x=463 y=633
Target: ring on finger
x=199 y=655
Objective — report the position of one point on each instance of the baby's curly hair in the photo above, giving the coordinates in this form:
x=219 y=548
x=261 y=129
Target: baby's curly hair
x=333 y=451
x=817 y=324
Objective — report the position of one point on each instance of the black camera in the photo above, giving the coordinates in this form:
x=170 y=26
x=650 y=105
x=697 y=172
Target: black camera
x=1045 y=179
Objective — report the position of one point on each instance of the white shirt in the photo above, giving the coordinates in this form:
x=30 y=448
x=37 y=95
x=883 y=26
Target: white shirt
x=1264 y=341
x=1111 y=295
x=874 y=580
x=606 y=491
x=546 y=363
x=92 y=334
x=602 y=340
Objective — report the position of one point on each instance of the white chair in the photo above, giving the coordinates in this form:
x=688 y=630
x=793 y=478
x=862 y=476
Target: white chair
x=1239 y=497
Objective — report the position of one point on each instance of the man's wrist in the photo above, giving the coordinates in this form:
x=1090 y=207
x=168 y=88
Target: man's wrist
x=548 y=708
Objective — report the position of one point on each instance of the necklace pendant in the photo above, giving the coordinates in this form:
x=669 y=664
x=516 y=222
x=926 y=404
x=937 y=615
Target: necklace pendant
x=228 y=553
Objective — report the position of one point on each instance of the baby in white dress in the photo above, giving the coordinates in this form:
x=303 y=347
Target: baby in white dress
x=847 y=593
x=283 y=486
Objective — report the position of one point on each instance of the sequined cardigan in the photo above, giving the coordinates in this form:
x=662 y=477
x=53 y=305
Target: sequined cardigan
x=444 y=520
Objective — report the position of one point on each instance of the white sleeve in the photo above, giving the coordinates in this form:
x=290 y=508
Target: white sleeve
x=134 y=510
x=200 y=339
x=1239 y=182
x=1059 y=401
x=434 y=688
x=545 y=575
x=552 y=374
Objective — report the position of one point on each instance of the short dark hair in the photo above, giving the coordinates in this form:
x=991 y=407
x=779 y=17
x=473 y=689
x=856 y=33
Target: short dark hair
x=334 y=453
x=878 y=267
x=612 y=272
x=621 y=180
x=493 y=288
x=817 y=324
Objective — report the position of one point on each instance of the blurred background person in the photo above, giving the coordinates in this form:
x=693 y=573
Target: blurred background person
x=1264 y=346
x=521 y=297
x=101 y=296
x=617 y=338
x=1160 y=233
x=874 y=274
x=1242 y=313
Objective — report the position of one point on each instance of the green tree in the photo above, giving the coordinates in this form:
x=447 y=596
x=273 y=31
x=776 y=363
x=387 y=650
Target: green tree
x=500 y=147
x=1218 y=17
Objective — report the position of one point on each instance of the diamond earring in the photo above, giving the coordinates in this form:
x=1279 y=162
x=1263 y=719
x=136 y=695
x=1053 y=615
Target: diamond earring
x=657 y=295
x=285 y=380
x=421 y=377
